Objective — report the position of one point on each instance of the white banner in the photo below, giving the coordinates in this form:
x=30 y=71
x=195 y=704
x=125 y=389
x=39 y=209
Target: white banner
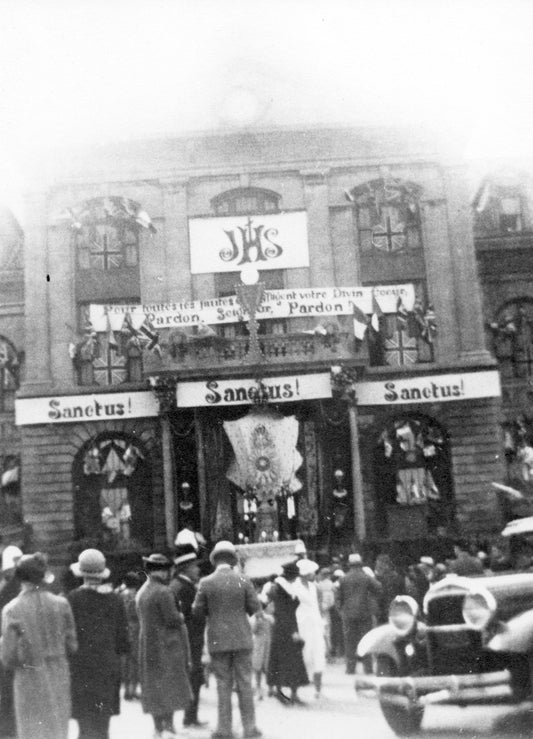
x=311 y=301
x=73 y=408
x=275 y=241
x=243 y=392
x=430 y=389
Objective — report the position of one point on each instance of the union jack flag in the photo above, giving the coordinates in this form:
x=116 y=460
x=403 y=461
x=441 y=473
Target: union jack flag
x=400 y=349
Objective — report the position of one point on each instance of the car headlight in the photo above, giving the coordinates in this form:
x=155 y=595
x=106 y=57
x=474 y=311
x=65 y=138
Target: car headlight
x=403 y=613
x=479 y=606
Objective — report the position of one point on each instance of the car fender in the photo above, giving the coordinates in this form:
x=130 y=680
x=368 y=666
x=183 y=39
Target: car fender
x=514 y=636
x=379 y=641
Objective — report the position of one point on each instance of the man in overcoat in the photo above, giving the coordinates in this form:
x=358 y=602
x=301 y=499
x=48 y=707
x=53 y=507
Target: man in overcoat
x=356 y=597
x=163 y=648
x=226 y=598
x=184 y=587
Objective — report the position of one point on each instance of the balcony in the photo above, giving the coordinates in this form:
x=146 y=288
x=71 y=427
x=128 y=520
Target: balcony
x=189 y=353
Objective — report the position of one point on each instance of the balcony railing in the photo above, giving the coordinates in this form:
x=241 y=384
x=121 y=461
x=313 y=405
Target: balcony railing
x=179 y=352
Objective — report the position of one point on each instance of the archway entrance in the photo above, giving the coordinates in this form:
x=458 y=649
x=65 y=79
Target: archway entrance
x=112 y=494
x=413 y=481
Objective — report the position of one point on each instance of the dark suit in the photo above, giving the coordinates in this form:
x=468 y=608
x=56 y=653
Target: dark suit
x=356 y=598
x=226 y=598
x=185 y=591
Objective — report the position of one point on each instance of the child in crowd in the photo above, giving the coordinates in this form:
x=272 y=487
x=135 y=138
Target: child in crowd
x=262 y=623
x=130 y=664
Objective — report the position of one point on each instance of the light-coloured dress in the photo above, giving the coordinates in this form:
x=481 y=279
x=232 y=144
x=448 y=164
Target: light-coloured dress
x=38 y=634
x=310 y=627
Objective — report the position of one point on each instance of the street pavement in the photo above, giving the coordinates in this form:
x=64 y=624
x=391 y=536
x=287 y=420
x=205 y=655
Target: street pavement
x=338 y=714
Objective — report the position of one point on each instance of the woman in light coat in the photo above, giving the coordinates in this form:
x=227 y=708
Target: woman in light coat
x=38 y=634
x=310 y=623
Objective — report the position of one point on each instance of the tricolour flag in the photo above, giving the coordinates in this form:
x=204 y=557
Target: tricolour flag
x=377 y=314
x=360 y=323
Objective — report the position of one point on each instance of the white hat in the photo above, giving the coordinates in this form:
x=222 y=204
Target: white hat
x=306 y=567
x=339 y=573
x=222 y=547
x=355 y=559
x=429 y=561
x=299 y=548
x=186 y=536
x=10 y=557
x=91 y=563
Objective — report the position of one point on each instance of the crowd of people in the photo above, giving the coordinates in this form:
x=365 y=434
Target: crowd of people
x=159 y=634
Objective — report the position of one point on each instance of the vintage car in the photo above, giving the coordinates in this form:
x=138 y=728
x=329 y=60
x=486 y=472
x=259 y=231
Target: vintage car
x=472 y=644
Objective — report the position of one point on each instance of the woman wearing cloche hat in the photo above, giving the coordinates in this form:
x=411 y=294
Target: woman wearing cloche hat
x=35 y=618
x=164 y=648
x=103 y=638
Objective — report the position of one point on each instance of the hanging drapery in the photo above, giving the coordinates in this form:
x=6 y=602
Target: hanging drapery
x=266 y=458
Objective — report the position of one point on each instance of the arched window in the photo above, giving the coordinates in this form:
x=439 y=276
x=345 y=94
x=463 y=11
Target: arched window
x=413 y=477
x=9 y=375
x=107 y=233
x=388 y=215
x=239 y=202
x=245 y=201
x=512 y=337
x=113 y=499
x=107 y=357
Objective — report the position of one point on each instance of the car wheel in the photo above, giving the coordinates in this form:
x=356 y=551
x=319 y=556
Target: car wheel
x=403 y=721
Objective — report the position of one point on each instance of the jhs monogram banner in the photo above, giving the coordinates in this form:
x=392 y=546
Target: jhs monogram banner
x=276 y=241
x=312 y=301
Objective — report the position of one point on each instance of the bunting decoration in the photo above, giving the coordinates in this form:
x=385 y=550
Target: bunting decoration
x=106 y=208
x=426 y=321
x=111 y=341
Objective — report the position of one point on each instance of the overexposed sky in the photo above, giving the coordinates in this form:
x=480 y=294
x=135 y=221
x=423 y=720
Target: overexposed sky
x=76 y=72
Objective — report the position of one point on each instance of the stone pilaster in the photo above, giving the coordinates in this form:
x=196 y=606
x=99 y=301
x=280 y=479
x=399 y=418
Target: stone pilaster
x=469 y=311
x=37 y=294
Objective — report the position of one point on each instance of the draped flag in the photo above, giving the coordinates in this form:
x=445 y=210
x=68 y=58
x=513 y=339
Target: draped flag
x=401 y=314
x=266 y=458
x=360 y=323
x=147 y=332
x=377 y=314
x=111 y=341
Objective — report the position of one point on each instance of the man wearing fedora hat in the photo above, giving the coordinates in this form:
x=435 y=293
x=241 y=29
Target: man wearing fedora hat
x=103 y=639
x=356 y=596
x=163 y=648
x=226 y=598
x=184 y=587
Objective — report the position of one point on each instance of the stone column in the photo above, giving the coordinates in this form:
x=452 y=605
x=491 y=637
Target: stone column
x=357 y=479
x=37 y=294
x=469 y=309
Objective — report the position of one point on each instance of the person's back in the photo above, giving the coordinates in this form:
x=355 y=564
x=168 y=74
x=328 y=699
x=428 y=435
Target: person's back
x=227 y=602
x=356 y=590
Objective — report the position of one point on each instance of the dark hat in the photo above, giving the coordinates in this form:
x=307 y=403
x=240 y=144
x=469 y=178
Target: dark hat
x=290 y=569
x=132 y=579
x=184 y=553
x=31 y=568
x=157 y=562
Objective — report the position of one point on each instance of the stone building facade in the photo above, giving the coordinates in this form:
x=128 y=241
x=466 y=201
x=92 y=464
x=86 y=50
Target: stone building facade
x=362 y=408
